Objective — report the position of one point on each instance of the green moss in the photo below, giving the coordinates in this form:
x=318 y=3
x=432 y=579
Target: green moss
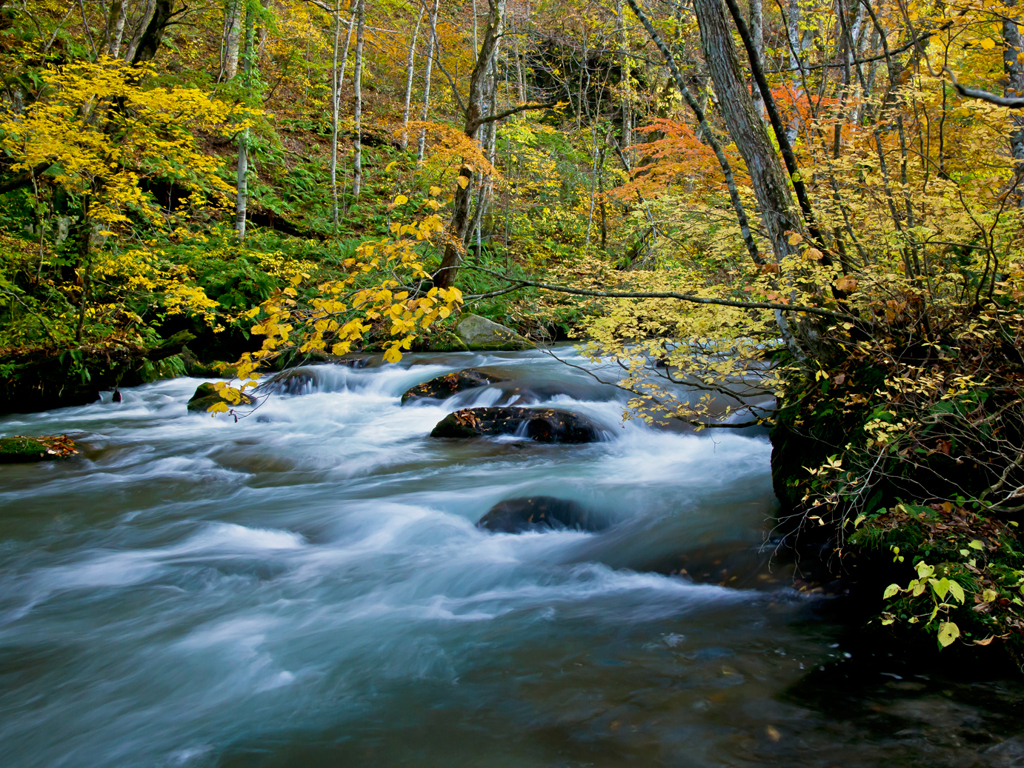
x=21 y=449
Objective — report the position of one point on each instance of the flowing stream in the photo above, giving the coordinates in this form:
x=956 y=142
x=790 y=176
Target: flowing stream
x=307 y=587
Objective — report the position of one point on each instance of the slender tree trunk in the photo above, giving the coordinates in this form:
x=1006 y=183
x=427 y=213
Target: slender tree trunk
x=242 y=193
x=410 y=70
x=757 y=35
x=475 y=104
x=357 y=85
x=336 y=109
x=115 y=27
x=232 y=36
x=421 y=145
x=140 y=29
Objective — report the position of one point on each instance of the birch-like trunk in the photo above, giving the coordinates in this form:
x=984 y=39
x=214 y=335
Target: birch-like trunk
x=431 y=43
x=232 y=36
x=242 y=194
x=756 y=24
x=357 y=85
x=115 y=27
x=410 y=70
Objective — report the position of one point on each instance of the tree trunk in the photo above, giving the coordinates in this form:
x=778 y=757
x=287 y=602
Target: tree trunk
x=115 y=27
x=153 y=33
x=748 y=132
x=706 y=133
x=421 y=145
x=357 y=85
x=410 y=70
x=474 y=118
x=336 y=78
x=242 y=193
x=140 y=29
x=232 y=35
x=756 y=24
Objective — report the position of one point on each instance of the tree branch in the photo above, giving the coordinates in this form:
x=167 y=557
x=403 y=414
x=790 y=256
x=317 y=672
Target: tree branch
x=689 y=297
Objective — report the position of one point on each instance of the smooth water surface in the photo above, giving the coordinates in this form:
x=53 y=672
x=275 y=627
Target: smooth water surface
x=307 y=587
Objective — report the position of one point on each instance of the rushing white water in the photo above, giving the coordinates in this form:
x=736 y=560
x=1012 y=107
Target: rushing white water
x=307 y=587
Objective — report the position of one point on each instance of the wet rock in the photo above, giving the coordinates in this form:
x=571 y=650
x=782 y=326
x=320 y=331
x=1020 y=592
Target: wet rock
x=294 y=381
x=533 y=513
x=207 y=395
x=544 y=425
x=480 y=333
x=736 y=564
x=18 y=449
x=444 y=387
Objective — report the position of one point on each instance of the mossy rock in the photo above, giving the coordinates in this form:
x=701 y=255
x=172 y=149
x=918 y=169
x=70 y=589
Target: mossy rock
x=207 y=396
x=22 y=450
x=480 y=333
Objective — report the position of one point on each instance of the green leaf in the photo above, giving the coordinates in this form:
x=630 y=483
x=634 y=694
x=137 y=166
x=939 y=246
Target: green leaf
x=976 y=544
x=924 y=571
x=940 y=586
x=891 y=590
x=956 y=591
x=948 y=632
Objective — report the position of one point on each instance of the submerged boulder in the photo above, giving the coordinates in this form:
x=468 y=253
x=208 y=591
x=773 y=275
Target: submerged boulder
x=531 y=513
x=207 y=395
x=545 y=425
x=19 y=449
x=480 y=333
x=445 y=386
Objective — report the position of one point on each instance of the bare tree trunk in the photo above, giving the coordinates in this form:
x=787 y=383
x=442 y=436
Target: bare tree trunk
x=475 y=102
x=706 y=134
x=756 y=24
x=242 y=193
x=115 y=27
x=410 y=70
x=751 y=137
x=336 y=79
x=357 y=85
x=421 y=145
x=140 y=29
x=232 y=35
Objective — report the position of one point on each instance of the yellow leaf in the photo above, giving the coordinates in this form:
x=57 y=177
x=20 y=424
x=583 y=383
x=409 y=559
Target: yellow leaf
x=393 y=355
x=463 y=181
x=218 y=408
x=400 y=200
x=948 y=632
x=988 y=44
x=435 y=191
x=390 y=165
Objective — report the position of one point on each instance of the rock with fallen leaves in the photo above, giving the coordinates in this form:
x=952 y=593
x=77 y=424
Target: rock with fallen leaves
x=19 y=449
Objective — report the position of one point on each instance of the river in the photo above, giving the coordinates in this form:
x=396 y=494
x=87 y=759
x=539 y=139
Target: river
x=307 y=587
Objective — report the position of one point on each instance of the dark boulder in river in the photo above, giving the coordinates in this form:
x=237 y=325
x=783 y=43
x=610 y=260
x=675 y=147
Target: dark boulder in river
x=544 y=425
x=445 y=386
x=533 y=513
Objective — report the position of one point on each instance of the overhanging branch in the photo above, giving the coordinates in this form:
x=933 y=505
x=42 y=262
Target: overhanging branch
x=688 y=297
